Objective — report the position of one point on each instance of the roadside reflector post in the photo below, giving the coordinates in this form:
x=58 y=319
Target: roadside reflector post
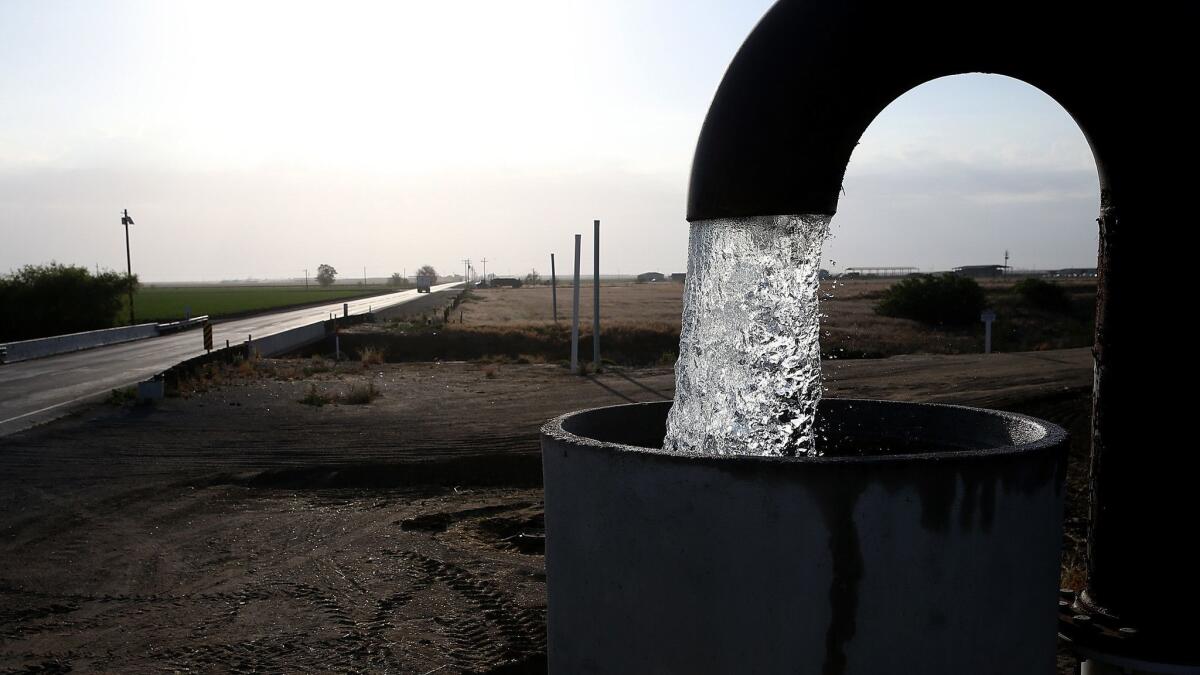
x=987 y=316
x=208 y=342
x=345 y=309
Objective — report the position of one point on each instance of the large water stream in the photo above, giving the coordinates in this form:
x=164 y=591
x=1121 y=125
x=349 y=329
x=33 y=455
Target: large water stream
x=748 y=378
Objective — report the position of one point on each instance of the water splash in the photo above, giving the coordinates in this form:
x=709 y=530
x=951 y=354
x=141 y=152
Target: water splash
x=748 y=378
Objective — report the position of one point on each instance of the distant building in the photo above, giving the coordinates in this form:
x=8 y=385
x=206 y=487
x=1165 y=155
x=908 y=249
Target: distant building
x=879 y=271
x=1068 y=272
x=650 y=276
x=980 y=271
x=679 y=276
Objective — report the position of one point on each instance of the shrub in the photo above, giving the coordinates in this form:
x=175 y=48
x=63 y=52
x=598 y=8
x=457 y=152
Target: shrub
x=120 y=397
x=315 y=398
x=41 y=300
x=940 y=300
x=317 y=364
x=370 y=356
x=1043 y=295
x=247 y=366
x=361 y=394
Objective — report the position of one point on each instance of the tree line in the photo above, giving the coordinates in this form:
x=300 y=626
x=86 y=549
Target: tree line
x=327 y=275
x=54 y=299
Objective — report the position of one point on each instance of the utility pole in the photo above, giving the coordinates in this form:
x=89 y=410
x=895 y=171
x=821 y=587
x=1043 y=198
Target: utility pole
x=483 y=261
x=127 y=221
x=306 y=278
x=596 y=299
x=466 y=268
x=1005 y=270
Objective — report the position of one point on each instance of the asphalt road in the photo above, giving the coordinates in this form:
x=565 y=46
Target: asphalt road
x=33 y=392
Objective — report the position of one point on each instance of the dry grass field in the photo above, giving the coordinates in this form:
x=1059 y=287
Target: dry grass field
x=621 y=302
x=850 y=326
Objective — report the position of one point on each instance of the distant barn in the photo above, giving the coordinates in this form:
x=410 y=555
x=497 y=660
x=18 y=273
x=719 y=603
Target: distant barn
x=679 y=276
x=645 y=277
x=980 y=271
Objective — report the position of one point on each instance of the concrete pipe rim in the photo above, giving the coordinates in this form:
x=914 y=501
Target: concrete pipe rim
x=1041 y=436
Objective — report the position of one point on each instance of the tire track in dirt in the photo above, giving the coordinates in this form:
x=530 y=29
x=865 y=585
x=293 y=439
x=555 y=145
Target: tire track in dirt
x=499 y=630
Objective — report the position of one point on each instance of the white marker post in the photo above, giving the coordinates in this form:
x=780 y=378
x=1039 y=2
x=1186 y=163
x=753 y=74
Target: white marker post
x=987 y=316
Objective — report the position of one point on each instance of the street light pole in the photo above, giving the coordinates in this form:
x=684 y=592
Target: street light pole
x=127 y=221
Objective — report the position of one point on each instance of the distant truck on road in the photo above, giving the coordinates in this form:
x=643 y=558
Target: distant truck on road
x=424 y=281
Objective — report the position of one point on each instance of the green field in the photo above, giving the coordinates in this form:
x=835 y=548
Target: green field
x=168 y=303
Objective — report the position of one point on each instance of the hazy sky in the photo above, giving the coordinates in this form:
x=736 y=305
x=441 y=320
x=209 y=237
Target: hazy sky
x=255 y=139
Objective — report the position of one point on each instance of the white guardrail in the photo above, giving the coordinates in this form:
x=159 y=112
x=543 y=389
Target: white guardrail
x=37 y=348
x=61 y=344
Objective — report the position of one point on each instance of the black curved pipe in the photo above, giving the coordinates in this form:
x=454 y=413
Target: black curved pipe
x=814 y=74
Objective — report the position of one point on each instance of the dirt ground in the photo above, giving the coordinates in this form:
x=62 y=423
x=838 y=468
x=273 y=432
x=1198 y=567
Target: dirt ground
x=236 y=529
x=849 y=326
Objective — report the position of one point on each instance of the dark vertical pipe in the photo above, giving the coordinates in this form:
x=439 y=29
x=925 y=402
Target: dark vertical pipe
x=553 y=290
